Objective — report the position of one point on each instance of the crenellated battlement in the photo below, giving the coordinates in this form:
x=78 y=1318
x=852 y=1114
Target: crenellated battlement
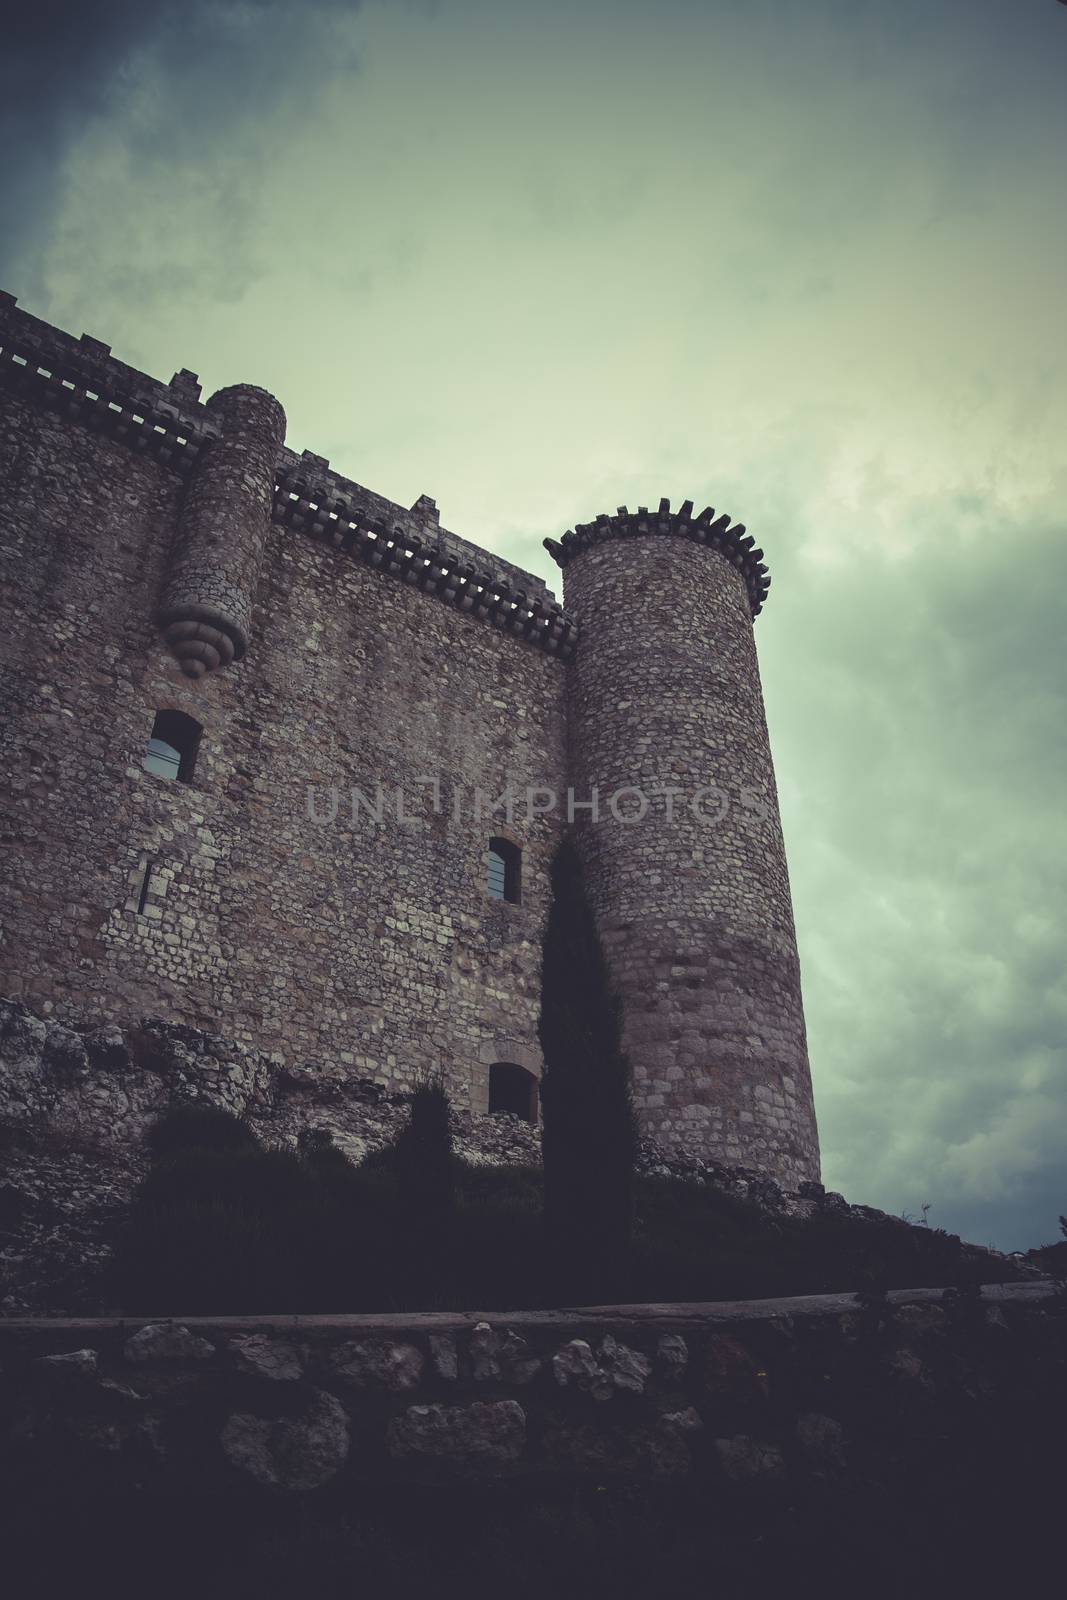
x=344 y=514
x=80 y=380
x=731 y=540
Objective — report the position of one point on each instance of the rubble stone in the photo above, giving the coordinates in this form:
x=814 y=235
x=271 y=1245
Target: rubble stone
x=266 y=1356
x=167 y=1341
x=72 y=1363
x=493 y=1430
x=301 y=1452
x=384 y=1363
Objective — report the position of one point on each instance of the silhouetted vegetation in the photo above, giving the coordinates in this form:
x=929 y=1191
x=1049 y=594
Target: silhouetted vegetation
x=196 y=1127
x=225 y=1226
x=589 y=1135
x=424 y=1163
x=222 y=1225
x=1052 y=1258
x=425 y=1190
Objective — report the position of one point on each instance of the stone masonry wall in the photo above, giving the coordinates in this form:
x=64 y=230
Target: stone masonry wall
x=331 y=643
x=217 y=903
x=757 y=1397
x=224 y=525
x=692 y=898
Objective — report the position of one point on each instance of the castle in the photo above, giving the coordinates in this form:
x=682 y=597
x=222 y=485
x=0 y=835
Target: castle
x=289 y=761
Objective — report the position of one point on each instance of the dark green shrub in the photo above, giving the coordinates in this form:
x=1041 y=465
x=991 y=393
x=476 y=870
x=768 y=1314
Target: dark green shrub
x=222 y=1225
x=424 y=1160
x=197 y=1127
x=425 y=1194
x=497 y=1258
x=219 y=1230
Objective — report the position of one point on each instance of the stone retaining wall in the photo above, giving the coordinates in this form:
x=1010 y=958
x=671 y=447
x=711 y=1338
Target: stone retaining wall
x=752 y=1395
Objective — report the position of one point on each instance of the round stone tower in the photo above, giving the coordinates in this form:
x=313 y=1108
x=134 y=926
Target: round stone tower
x=225 y=520
x=684 y=856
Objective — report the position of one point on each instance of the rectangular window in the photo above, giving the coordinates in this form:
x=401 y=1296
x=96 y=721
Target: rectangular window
x=504 y=873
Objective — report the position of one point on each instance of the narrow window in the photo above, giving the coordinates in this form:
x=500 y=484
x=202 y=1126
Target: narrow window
x=505 y=870
x=173 y=746
x=149 y=868
x=512 y=1088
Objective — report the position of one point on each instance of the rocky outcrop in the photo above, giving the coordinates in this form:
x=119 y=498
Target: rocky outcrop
x=99 y=1088
x=76 y=1103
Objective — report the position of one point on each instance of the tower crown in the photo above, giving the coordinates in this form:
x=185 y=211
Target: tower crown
x=730 y=539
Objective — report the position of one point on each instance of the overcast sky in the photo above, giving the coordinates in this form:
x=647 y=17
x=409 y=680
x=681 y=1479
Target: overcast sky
x=803 y=262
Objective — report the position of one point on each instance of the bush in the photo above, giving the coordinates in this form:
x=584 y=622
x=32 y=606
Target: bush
x=196 y=1127
x=425 y=1195
x=222 y=1225
x=225 y=1226
x=424 y=1160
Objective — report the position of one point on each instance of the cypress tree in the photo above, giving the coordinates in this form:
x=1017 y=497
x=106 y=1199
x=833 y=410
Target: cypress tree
x=426 y=1187
x=589 y=1133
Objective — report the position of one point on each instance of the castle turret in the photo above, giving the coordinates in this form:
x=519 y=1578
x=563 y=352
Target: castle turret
x=225 y=520
x=685 y=859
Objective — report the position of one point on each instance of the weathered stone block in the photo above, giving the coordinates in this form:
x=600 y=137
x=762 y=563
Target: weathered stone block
x=167 y=1342
x=493 y=1430
x=265 y=1355
x=624 y=1368
x=290 y=1452
x=672 y=1355
x=71 y=1364
x=445 y=1356
x=384 y=1363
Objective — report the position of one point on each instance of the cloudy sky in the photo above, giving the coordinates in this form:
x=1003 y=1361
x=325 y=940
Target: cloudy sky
x=803 y=262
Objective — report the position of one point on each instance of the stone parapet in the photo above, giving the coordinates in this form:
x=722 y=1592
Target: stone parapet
x=437 y=563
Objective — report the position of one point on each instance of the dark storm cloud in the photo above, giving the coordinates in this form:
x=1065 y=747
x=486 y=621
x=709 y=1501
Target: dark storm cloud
x=55 y=68
x=199 y=66
x=924 y=719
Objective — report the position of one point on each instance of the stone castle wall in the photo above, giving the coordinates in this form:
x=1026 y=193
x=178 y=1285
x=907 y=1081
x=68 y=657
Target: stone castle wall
x=218 y=903
x=328 y=640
